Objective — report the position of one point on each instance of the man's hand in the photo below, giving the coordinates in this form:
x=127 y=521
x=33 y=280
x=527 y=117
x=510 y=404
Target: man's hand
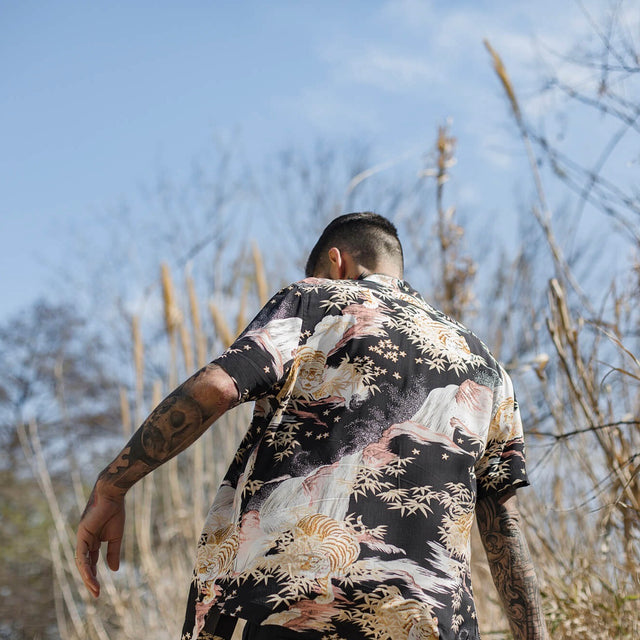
x=102 y=521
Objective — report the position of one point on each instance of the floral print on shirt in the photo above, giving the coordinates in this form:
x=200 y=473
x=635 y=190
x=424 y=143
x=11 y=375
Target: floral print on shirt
x=347 y=510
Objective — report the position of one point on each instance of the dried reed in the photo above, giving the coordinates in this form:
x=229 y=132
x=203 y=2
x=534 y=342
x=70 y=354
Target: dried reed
x=163 y=524
x=221 y=325
x=588 y=526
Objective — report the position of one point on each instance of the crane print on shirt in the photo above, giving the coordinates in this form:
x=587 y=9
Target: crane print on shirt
x=348 y=507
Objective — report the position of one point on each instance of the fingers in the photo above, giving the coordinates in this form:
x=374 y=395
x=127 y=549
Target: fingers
x=103 y=521
x=86 y=562
x=86 y=559
x=113 y=553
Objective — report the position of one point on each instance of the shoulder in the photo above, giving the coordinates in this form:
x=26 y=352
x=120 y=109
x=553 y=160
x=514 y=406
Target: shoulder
x=332 y=293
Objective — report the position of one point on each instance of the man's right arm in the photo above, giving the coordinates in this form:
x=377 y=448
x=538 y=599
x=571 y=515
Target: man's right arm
x=178 y=421
x=499 y=522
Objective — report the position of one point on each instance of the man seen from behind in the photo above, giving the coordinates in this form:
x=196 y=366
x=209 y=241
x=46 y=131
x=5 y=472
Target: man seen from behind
x=381 y=428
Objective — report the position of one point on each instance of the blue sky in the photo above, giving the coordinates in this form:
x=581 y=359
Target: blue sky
x=96 y=98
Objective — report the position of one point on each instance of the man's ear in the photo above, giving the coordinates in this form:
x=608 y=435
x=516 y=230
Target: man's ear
x=337 y=265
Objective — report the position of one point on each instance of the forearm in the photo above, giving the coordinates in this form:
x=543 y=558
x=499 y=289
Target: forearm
x=511 y=566
x=178 y=421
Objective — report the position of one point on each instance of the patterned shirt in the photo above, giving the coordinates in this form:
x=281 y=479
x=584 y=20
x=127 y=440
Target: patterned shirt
x=347 y=510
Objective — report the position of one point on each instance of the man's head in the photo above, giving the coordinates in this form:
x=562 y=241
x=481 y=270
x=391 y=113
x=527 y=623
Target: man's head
x=355 y=243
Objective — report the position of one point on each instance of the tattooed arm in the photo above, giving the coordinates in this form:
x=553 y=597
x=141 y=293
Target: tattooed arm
x=500 y=528
x=178 y=421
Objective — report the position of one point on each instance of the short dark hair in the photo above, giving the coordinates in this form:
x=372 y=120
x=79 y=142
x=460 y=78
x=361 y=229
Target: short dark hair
x=370 y=238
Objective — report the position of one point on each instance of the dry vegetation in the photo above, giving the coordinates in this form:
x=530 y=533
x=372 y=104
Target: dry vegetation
x=166 y=509
x=571 y=352
x=583 y=518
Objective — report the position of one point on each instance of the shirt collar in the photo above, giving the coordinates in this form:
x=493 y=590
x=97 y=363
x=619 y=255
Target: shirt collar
x=382 y=278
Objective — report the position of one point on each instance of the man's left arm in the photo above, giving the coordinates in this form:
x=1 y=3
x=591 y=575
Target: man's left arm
x=500 y=526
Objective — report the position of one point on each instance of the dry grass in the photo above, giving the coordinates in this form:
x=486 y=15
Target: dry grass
x=588 y=563
x=583 y=519
x=587 y=522
x=165 y=510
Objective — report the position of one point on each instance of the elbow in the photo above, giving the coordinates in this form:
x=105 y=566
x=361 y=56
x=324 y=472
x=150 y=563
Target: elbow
x=214 y=390
x=498 y=514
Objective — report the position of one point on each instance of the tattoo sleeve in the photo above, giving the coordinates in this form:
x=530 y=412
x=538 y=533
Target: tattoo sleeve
x=510 y=562
x=178 y=421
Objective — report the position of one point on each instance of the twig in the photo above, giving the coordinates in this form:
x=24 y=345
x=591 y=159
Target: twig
x=570 y=434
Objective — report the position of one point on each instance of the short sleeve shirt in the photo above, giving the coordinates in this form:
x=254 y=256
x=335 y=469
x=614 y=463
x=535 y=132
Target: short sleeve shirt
x=347 y=510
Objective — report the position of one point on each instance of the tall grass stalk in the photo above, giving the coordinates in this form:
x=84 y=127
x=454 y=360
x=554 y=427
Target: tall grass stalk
x=165 y=511
x=587 y=525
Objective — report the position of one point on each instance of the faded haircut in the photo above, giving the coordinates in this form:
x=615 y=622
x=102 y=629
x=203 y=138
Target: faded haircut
x=370 y=238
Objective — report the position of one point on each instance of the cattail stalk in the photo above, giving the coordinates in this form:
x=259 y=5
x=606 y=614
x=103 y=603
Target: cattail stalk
x=198 y=335
x=172 y=317
x=222 y=328
x=261 y=277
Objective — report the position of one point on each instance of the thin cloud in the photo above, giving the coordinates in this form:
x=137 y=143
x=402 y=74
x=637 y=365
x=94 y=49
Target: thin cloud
x=326 y=109
x=388 y=71
x=410 y=14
